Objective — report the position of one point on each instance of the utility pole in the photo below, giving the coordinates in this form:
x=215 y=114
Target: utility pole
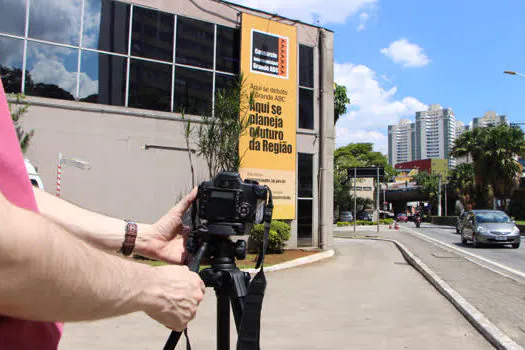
x=439 y=195
x=355 y=198
x=446 y=204
x=377 y=199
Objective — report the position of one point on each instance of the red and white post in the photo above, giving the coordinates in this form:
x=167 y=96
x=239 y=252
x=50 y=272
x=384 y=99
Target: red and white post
x=59 y=174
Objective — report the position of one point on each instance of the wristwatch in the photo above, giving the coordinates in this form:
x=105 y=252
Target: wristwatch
x=129 y=238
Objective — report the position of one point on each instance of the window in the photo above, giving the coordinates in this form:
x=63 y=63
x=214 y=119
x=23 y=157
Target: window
x=193 y=91
x=103 y=78
x=150 y=85
x=11 y=56
x=195 y=42
x=224 y=81
x=106 y=25
x=152 y=35
x=51 y=71
x=305 y=171
x=305 y=199
x=228 y=49
x=306 y=66
x=13 y=17
x=306 y=109
x=53 y=21
x=92 y=65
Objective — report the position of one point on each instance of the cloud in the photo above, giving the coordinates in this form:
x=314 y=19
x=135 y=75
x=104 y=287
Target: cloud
x=372 y=108
x=50 y=17
x=49 y=68
x=363 y=18
x=346 y=135
x=327 y=11
x=406 y=53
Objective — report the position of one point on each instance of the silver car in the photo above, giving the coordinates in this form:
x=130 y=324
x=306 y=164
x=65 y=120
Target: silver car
x=346 y=216
x=490 y=227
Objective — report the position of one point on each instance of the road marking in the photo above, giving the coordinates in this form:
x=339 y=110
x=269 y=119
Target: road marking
x=494 y=270
x=488 y=261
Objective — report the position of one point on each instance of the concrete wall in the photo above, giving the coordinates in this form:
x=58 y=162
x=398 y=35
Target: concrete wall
x=125 y=179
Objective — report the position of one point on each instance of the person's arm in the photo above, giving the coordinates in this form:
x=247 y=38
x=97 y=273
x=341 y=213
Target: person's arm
x=164 y=240
x=48 y=274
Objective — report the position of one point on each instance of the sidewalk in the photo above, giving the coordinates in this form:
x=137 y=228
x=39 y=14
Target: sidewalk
x=500 y=299
x=365 y=297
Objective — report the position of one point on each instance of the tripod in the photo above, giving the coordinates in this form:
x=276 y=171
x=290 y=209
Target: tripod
x=230 y=284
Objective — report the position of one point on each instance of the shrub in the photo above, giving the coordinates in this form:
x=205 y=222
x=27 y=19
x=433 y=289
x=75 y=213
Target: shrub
x=277 y=237
x=517 y=209
x=365 y=222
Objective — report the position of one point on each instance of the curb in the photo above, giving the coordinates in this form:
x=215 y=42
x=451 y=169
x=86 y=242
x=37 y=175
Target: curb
x=489 y=330
x=296 y=262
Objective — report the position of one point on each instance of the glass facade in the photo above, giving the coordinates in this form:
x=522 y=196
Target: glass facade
x=122 y=54
x=114 y=53
x=306 y=87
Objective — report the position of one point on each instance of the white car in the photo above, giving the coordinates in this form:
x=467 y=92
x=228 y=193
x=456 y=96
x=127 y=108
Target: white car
x=33 y=175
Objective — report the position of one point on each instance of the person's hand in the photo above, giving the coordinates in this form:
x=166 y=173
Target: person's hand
x=171 y=296
x=166 y=239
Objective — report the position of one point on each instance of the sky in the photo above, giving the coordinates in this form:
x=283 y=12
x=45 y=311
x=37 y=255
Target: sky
x=398 y=57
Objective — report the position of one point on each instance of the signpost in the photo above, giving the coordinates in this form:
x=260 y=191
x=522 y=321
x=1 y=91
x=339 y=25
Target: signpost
x=364 y=172
x=75 y=163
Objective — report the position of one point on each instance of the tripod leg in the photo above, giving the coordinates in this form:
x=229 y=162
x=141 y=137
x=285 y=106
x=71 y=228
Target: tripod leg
x=223 y=318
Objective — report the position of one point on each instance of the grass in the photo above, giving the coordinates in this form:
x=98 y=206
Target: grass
x=249 y=262
x=520 y=222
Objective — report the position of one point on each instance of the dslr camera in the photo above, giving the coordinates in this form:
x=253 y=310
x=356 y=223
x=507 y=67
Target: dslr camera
x=227 y=205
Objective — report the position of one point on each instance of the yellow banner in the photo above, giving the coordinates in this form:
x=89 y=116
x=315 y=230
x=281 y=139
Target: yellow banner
x=269 y=64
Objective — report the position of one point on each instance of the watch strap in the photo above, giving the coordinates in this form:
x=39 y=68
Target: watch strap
x=129 y=238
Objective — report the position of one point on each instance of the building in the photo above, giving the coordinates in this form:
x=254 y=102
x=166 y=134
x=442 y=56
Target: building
x=460 y=128
x=401 y=142
x=432 y=166
x=490 y=118
x=435 y=133
x=110 y=91
x=431 y=136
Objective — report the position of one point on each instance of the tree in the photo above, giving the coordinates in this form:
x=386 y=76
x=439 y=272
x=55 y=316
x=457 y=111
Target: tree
x=494 y=152
x=429 y=184
x=463 y=181
x=217 y=136
x=354 y=155
x=340 y=101
x=17 y=110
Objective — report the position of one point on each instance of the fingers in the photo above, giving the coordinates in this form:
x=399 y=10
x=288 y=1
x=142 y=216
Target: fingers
x=185 y=203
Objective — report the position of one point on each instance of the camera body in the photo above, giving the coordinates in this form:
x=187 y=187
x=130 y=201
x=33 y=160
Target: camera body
x=228 y=205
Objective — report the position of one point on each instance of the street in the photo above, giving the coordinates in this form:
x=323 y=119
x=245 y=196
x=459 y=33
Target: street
x=490 y=279
x=503 y=259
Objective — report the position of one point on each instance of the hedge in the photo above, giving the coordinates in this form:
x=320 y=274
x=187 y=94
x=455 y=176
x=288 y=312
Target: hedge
x=365 y=223
x=444 y=220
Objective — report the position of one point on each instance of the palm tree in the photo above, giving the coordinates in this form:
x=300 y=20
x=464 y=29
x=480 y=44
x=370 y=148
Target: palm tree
x=429 y=184
x=494 y=152
x=463 y=181
x=503 y=146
